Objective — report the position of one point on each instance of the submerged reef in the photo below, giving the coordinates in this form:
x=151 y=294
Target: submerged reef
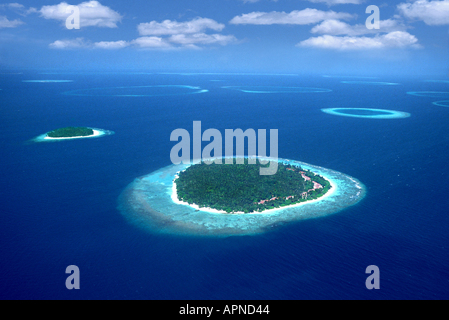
x=430 y=94
x=441 y=103
x=276 y=89
x=366 y=113
x=138 y=91
x=372 y=83
x=47 y=81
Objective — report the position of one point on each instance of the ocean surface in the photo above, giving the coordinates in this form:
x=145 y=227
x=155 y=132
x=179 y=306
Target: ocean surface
x=59 y=199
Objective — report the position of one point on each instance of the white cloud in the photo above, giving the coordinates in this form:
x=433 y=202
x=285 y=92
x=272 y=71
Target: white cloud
x=69 y=44
x=12 y=5
x=336 y=27
x=173 y=35
x=168 y=27
x=151 y=42
x=92 y=13
x=189 y=41
x=18 y=8
x=111 y=44
x=431 y=12
x=80 y=43
x=396 y=39
x=5 y=23
x=400 y=39
x=328 y=2
x=202 y=38
x=334 y=2
x=302 y=17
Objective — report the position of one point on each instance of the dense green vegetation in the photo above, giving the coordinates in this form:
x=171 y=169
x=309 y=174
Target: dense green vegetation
x=240 y=187
x=70 y=132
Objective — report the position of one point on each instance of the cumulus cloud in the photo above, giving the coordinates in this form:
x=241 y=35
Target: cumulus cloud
x=15 y=7
x=395 y=39
x=5 y=23
x=189 y=41
x=69 y=44
x=328 y=2
x=431 y=12
x=18 y=8
x=165 y=35
x=336 y=27
x=151 y=42
x=12 y=5
x=201 y=38
x=169 y=27
x=80 y=43
x=302 y=17
x=188 y=34
x=111 y=44
x=92 y=14
x=334 y=2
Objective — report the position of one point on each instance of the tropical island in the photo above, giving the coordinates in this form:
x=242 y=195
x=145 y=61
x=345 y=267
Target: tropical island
x=70 y=132
x=240 y=188
x=151 y=201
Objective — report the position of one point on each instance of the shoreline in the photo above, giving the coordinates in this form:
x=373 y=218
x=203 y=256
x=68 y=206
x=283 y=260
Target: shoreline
x=96 y=134
x=174 y=197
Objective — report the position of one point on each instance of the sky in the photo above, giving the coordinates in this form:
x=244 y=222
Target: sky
x=229 y=36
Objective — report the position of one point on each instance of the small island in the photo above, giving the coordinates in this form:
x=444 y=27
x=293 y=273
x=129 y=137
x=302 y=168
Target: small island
x=239 y=188
x=71 y=132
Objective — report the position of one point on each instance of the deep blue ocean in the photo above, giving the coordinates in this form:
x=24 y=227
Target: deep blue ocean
x=59 y=200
